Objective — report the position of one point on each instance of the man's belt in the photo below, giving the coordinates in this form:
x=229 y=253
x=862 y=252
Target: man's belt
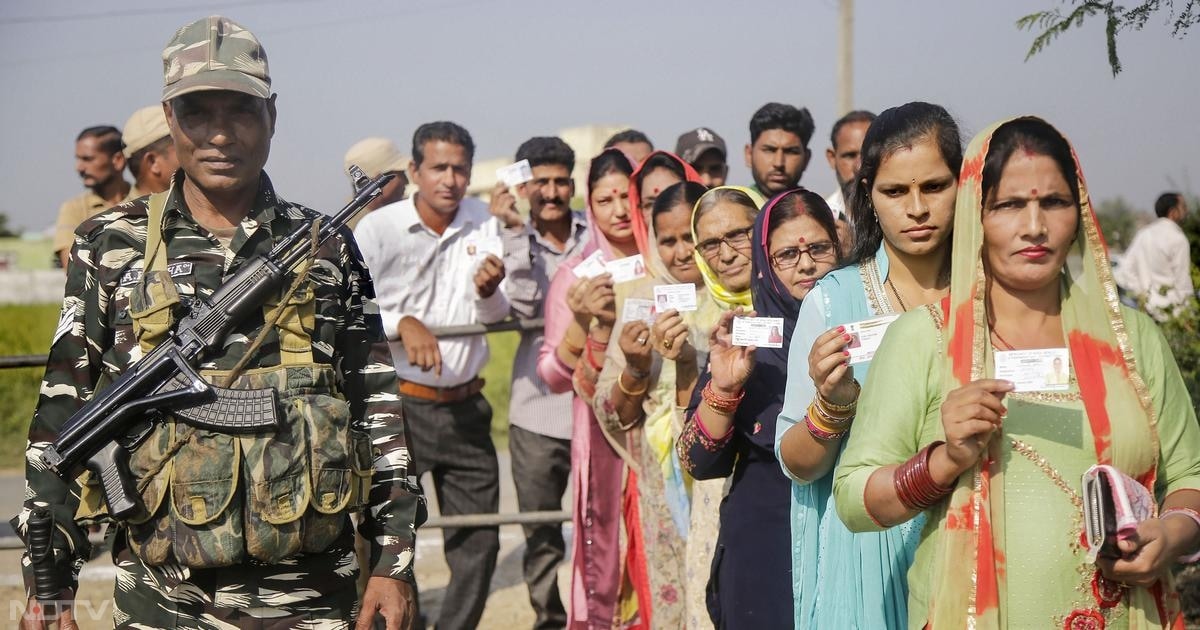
x=441 y=394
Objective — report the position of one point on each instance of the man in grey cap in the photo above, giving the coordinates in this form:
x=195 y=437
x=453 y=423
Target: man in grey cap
x=247 y=530
x=149 y=151
x=705 y=151
x=376 y=156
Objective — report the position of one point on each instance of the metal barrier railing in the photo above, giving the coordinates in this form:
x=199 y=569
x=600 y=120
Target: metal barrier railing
x=519 y=325
x=434 y=522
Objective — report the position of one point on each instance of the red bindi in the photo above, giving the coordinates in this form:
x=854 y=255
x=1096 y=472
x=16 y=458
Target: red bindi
x=656 y=191
x=1033 y=193
x=801 y=239
x=615 y=191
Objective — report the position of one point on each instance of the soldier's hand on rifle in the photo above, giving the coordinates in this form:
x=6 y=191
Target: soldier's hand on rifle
x=488 y=276
x=389 y=598
x=420 y=345
x=39 y=616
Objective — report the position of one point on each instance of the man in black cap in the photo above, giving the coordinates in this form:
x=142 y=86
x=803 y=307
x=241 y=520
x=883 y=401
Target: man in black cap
x=705 y=151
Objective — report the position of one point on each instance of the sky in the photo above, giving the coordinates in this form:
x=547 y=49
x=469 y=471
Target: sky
x=510 y=70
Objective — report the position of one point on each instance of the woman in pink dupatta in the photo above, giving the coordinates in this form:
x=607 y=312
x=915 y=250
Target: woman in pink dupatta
x=580 y=314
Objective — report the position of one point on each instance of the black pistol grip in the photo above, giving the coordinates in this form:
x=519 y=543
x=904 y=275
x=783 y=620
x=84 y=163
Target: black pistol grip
x=235 y=411
x=110 y=467
x=40 y=538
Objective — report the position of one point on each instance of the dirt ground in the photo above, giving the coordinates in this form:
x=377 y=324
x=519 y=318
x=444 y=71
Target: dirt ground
x=507 y=608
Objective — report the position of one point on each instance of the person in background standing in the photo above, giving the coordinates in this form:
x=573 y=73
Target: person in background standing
x=418 y=251
x=1156 y=270
x=778 y=150
x=705 y=151
x=539 y=430
x=845 y=155
x=635 y=144
x=377 y=156
x=99 y=162
x=149 y=151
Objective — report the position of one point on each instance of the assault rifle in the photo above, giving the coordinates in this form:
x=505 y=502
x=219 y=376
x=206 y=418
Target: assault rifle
x=165 y=378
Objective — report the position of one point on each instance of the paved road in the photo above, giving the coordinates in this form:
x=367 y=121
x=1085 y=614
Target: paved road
x=508 y=605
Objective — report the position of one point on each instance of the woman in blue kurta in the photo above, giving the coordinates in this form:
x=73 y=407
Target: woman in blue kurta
x=792 y=244
x=902 y=207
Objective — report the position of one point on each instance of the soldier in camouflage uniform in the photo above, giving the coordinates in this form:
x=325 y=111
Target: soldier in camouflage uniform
x=247 y=530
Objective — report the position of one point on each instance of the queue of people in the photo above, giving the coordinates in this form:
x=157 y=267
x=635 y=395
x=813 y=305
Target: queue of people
x=867 y=457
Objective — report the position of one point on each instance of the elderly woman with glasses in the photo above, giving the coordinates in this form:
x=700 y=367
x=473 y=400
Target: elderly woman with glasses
x=768 y=262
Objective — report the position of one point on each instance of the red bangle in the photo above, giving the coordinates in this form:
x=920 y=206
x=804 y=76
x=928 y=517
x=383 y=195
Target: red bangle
x=821 y=434
x=719 y=403
x=914 y=484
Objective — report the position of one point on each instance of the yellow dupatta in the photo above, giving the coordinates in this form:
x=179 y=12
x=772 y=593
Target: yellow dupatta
x=724 y=297
x=968 y=579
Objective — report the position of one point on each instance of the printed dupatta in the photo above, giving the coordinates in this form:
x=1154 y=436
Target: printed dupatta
x=969 y=573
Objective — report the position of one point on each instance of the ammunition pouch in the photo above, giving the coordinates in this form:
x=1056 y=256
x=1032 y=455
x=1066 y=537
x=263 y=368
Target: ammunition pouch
x=215 y=500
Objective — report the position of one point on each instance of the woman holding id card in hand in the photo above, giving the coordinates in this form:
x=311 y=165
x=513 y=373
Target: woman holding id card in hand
x=997 y=469
x=728 y=430
x=903 y=208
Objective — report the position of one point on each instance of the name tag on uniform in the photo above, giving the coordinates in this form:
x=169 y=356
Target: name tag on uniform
x=179 y=269
x=130 y=277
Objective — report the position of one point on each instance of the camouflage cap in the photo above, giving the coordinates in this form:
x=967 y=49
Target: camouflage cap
x=145 y=127
x=215 y=53
x=375 y=156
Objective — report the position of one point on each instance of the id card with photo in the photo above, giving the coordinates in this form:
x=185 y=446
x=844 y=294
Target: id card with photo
x=1047 y=369
x=760 y=332
x=591 y=266
x=865 y=337
x=681 y=297
x=638 y=310
x=626 y=269
x=515 y=174
x=478 y=247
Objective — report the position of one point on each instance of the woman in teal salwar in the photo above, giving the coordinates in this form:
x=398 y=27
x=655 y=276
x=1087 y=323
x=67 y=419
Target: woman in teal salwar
x=902 y=207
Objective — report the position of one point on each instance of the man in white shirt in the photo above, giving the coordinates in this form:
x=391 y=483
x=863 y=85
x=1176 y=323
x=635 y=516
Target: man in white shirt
x=845 y=157
x=1156 y=269
x=429 y=257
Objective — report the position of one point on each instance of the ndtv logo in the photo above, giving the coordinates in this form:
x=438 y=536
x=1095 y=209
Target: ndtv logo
x=82 y=610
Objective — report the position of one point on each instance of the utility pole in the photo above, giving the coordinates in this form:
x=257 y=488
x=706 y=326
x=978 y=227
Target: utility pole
x=845 y=56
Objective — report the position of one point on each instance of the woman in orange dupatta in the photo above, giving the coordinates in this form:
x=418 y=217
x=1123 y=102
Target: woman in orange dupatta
x=999 y=470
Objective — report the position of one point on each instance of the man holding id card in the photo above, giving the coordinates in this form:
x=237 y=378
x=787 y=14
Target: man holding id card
x=539 y=431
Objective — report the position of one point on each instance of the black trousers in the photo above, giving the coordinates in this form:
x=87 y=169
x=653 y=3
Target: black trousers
x=453 y=442
x=541 y=467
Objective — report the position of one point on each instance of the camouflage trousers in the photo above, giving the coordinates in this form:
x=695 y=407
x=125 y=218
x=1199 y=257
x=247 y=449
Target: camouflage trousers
x=315 y=591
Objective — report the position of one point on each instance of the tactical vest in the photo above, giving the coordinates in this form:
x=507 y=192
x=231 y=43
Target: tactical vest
x=214 y=499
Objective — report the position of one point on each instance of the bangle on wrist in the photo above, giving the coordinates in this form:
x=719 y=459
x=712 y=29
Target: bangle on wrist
x=1192 y=514
x=822 y=432
x=914 y=484
x=571 y=348
x=721 y=404
x=631 y=393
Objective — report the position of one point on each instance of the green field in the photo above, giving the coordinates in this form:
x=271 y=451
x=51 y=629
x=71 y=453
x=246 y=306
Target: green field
x=28 y=329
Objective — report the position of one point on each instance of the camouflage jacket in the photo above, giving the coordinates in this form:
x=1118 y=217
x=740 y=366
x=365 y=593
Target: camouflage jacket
x=94 y=336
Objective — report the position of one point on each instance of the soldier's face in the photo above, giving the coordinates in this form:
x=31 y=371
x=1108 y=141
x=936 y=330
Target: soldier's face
x=222 y=138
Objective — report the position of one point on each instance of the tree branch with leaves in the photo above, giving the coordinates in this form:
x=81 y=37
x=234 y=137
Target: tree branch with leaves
x=1054 y=22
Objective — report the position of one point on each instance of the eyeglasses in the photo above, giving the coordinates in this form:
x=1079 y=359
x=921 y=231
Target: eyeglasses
x=788 y=257
x=739 y=240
